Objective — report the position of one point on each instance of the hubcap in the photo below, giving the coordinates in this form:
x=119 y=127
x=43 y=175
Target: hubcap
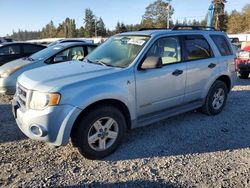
x=218 y=99
x=103 y=133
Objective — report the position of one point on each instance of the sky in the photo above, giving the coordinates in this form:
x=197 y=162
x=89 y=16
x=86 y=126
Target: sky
x=32 y=15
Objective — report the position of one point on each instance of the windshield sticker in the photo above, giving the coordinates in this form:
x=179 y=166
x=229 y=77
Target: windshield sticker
x=136 y=42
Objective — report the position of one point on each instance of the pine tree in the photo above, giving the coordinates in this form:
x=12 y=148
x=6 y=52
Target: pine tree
x=101 y=30
x=89 y=23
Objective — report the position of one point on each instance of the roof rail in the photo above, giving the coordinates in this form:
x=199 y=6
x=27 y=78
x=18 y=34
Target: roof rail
x=190 y=27
x=145 y=29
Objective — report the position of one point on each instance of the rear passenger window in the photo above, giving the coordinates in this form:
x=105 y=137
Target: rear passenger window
x=168 y=49
x=30 y=49
x=197 y=47
x=10 y=50
x=222 y=44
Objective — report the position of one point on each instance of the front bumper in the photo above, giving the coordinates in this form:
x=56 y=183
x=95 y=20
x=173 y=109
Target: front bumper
x=7 y=86
x=55 y=122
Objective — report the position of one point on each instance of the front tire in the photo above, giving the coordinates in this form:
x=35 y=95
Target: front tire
x=244 y=75
x=100 y=132
x=216 y=98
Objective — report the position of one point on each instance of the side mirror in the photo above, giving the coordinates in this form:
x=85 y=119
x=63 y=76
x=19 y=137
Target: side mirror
x=151 y=62
x=58 y=59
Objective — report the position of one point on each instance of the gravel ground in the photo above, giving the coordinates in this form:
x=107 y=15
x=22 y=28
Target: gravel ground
x=190 y=150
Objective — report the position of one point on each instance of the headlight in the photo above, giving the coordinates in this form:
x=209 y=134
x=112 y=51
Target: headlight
x=39 y=100
x=10 y=71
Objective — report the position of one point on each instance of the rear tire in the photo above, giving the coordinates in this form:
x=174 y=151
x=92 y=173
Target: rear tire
x=216 y=98
x=244 y=75
x=100 y=132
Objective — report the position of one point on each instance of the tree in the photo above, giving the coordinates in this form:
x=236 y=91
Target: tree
x=100 y=26
x=49 y=31
x=219 y=18
x=246 y=17
x=80 y=32
x=235 y=22
x=89 y=21
x=224 y=23
x=120 y=27
x=21 y=35
x=157 y=14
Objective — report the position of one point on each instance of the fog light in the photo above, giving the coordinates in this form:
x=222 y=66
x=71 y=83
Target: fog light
x=38 y=130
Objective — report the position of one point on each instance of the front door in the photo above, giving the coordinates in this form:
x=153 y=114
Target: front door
x=161 y=88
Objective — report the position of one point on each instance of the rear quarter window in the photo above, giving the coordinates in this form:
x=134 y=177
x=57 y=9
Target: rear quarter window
x=222 y=44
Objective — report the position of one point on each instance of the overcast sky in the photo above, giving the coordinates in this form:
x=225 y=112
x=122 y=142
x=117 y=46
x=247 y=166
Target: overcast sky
x=34 y=14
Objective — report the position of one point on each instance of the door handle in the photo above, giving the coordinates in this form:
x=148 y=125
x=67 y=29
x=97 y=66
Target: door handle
x=211 y=65
x=177 y=72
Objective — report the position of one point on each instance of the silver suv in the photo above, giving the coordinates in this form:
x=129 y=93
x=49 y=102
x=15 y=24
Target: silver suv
x=133 y=79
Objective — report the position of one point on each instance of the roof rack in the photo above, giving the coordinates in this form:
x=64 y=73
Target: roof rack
x=189 y=27
x=146 y=29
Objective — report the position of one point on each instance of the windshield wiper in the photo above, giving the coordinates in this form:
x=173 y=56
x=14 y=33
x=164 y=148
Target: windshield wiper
x=99 y=62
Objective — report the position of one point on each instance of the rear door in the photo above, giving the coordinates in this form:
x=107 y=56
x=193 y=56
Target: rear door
x=201 y=63
x=162 y=88
x=9 y=53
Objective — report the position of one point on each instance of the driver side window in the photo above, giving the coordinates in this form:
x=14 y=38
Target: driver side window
x=71 y=54
x=168 y=49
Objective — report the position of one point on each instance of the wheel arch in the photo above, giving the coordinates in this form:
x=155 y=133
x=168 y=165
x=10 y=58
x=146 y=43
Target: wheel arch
x=226 y=79
x=109 y=102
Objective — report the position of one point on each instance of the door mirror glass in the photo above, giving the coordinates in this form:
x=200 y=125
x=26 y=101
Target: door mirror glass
x=151 y=62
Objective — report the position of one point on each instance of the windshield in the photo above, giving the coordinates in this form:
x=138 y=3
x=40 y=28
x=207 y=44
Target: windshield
x=46 y=52
x=118 y=51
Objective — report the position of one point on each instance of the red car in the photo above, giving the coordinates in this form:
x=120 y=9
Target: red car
x=243 y=63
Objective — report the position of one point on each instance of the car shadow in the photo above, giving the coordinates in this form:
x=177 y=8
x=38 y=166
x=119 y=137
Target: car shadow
x=132 y=184
x=243 y=82
x=190 y=133
x=9 y=131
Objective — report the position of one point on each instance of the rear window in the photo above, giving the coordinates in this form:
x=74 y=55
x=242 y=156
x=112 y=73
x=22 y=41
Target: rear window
x=222 y=44
x=197 y=47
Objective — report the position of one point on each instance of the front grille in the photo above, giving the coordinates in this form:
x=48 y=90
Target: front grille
x=21 y=94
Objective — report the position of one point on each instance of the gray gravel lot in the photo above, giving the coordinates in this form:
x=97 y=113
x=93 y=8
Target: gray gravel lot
x=189 y=150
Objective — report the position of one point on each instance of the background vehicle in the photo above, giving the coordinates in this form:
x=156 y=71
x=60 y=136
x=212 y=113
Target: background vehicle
x=69 y=40
x=243 y=63
x=16 y=50
x=131 y=80
x=51 y=55
x=4 y=39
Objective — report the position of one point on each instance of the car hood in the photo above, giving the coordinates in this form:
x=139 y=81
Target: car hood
x=14 y=64
x=50 y=77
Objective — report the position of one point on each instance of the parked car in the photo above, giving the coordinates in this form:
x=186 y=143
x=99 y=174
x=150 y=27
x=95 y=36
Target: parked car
x=243 y=63
x=51 y=55
x=69 y=40
x=4 y=39
x=133 y=79
x=15 y=50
